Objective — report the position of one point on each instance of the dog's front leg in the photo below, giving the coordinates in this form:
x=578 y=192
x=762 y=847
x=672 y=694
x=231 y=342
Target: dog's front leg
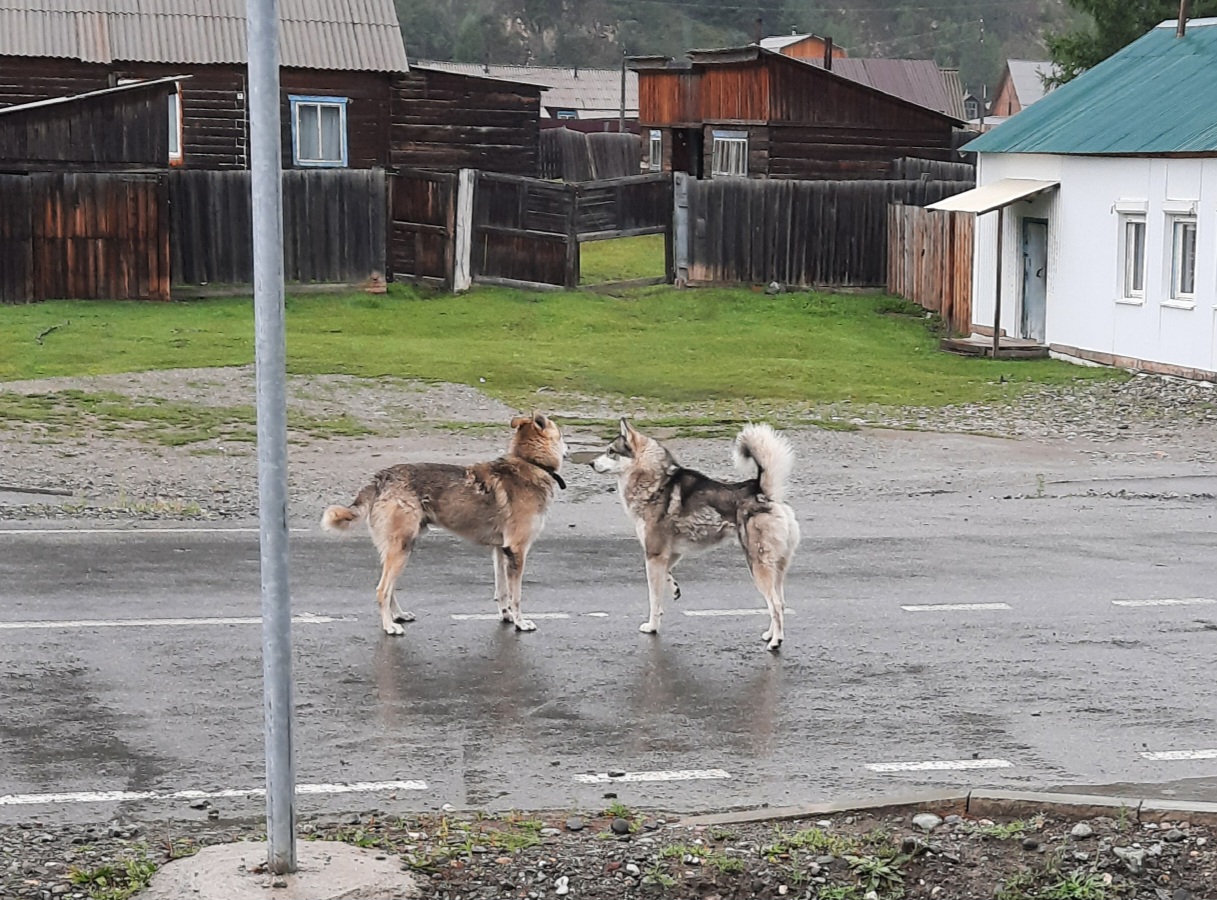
x=657 y=584
x=515 y=577
x=501 y=589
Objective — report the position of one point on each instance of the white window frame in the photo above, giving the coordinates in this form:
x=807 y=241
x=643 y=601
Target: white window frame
x=1128 y=293
x=175 y=110
x=655 y=153
x=1177 y=226
x=339 y=103
x=733 y=162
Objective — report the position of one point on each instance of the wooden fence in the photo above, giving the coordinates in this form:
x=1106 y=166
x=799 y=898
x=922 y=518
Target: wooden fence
x=912 y=167
x=83 y=236
x=796 y=233
x=334 y=226
x=423 y=226
x=569 y=155
x=930 y=262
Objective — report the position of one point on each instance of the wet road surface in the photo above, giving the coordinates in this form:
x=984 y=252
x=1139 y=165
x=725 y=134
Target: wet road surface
x=1050 y=683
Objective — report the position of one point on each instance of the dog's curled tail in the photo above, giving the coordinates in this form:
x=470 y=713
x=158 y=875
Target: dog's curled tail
x=772 y=454
x=340 y=518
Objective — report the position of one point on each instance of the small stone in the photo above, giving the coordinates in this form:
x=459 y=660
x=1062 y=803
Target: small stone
x=503 y=860
x=575 y=824
x=953 y=819
x=1132 y=857
x=562 y=885
x=632 y=869
x=612 y=867
x=1030 y=843
x=616 y=773
x=782 y=890
x=200 y=804
x=1081 y=831
x=1173 y=836
x=550 y=832
x=620 y=826
x=213 y=814
x=1201 y=841
x=927 y=822
x=650 y=824
x=871 y=895
x=1081 y=856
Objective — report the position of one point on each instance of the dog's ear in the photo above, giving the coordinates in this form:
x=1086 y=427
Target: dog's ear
x=625 y=428
x=540 y=421
x=519 y=420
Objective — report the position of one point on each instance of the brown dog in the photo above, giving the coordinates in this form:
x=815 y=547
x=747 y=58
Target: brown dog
x=499 y=504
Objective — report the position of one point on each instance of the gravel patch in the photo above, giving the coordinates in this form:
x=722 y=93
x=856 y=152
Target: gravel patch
x=846 y=857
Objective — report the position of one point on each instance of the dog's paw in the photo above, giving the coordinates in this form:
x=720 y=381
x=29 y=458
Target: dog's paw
x=505 y=614
x=525 y=625
x=403 y=617
x=394 y=629
x=648 y=628
x=775 y=644
x=767 y=635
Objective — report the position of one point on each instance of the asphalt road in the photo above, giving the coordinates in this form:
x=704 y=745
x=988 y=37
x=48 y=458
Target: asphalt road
x=1063 y=687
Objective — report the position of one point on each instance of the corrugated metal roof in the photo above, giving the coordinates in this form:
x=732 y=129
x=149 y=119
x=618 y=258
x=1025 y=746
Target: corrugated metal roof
x=955 y=93
x=1028 y=77
x=919 y=81
x=1157 y=95
x=361 y=35
x=594 y=93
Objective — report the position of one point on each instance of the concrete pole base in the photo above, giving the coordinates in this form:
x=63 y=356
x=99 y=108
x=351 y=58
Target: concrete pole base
x=326 y=870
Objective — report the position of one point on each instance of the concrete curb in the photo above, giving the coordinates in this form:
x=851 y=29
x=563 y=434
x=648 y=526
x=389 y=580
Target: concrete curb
x=981 y=804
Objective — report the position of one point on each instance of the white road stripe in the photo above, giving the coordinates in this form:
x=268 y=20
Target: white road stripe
x=729 y=612
x=597 y=615
x=139 y=531
x=302 y=619
x=1186 y=601
x=952 y=607
x=668 y=775
x=489 y=617
x=355 y=787
x=1175 y=755
x=941 y=765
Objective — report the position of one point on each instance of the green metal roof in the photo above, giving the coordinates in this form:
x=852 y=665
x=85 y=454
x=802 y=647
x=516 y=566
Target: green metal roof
x=1157 y=95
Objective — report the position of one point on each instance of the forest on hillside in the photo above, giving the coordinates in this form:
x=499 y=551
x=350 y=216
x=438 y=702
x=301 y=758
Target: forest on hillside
x=974 y=35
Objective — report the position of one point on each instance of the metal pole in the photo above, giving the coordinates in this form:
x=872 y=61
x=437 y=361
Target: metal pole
x=621 y=120
x=271 y=357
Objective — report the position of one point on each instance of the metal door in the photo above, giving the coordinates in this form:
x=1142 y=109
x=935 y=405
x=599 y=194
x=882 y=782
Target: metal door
x=1035 y=279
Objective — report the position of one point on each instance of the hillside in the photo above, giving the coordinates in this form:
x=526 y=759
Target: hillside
x=975 y=35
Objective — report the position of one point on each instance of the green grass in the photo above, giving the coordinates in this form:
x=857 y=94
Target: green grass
x=621 y=259
x=170 y=424
x=731 y=346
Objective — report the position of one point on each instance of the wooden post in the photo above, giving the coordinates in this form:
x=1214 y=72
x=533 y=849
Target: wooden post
x=572 y=239
x=1001 y=215
x=461 y=272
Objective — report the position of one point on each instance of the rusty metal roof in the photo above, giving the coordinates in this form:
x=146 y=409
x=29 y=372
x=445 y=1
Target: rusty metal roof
x=361 y=35
x=1155 y=96
x=594 y=93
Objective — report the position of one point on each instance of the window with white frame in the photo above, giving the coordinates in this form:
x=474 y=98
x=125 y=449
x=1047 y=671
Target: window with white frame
x=655 y=154
x=729 y=153
x=319 y=131
x=1132 y=256
x=1183 y=257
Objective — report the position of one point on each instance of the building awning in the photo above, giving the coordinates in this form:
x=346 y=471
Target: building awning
x=994 y=196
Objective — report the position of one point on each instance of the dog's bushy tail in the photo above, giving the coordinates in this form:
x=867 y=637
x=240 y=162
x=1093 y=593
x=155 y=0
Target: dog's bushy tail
x=340 y=518
x=772 y=455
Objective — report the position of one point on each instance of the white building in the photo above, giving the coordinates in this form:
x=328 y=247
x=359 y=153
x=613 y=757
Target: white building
x=1106 y=191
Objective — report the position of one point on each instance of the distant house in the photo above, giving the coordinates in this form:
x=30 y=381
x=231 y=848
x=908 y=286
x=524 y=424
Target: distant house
x=752 y=112
x=571 y=93
x=803 y=46
x=346 y=87
x=1021 y=84
x=973 y=107
x=1104 y=195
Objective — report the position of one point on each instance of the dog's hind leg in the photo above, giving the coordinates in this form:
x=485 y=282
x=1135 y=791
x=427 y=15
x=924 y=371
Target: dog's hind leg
x=394 y=559
x=769 y=582
x=659 y=579
x=501 y=591
x=515 y=557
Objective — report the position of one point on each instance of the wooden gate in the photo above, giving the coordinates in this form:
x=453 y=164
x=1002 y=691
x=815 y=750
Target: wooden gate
x=423 y=229
x=930 y=262
x=524 y=232
x=83 y=237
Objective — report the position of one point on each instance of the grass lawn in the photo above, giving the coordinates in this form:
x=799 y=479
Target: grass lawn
x=657 y=344
x=622 y=259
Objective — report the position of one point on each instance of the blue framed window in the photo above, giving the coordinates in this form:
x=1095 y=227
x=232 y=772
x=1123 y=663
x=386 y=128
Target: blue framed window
x=319 y=131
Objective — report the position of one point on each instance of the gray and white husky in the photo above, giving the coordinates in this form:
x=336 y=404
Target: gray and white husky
x=678 y=512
